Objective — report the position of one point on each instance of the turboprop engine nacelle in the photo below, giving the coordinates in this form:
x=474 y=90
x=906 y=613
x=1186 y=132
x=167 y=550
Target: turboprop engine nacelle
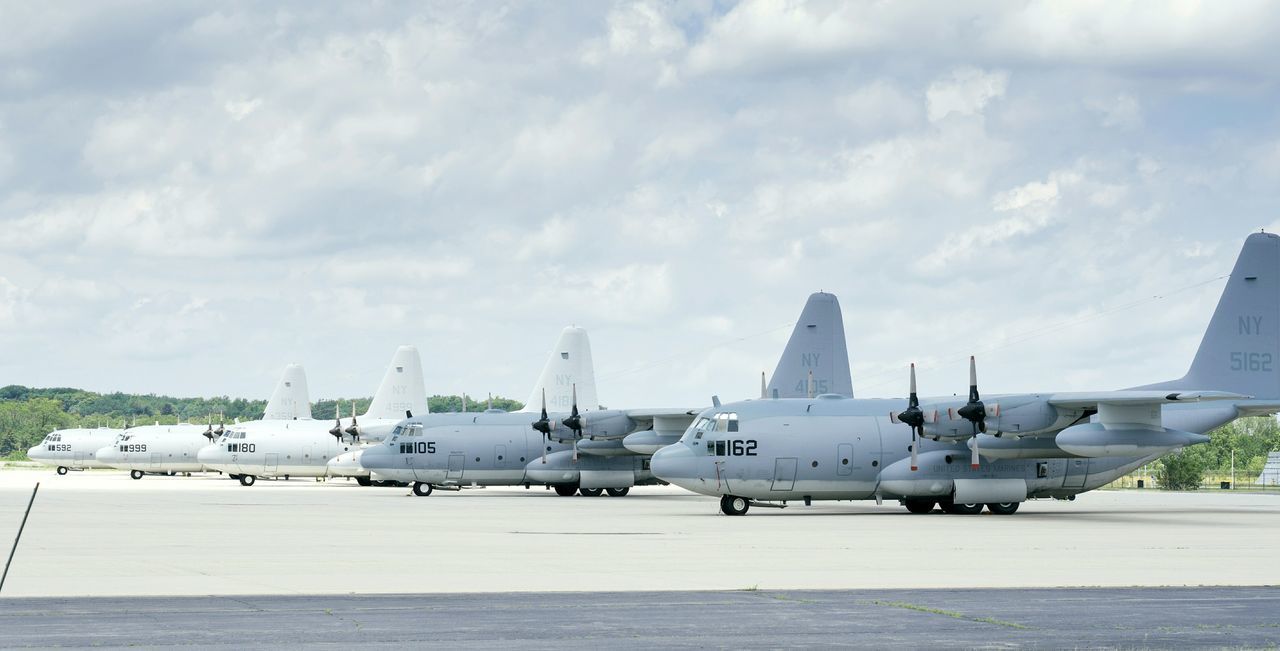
x=1012 y=447
x=604 y=424
x=1015 y=415
x=1024 y=415
x=1123 y=440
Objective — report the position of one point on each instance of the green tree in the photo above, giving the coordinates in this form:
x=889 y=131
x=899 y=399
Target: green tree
x=1183 y=471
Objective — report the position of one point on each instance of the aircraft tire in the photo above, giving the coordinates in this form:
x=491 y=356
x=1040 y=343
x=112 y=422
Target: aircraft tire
x=961 y=509
x=919 y=506
x=247 y=480
x=1008 y=508
x=62 y=470
x=364 y=481
x=617 y=492
x=136 y=474
x=734 y=505
x=590 y=492
x=422 y=489
x=565 y=490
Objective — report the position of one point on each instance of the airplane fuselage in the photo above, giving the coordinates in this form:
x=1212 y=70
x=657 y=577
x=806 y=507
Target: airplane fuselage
x=156 y=448
x=498 y=449
x=844 y=449
x=73 y=448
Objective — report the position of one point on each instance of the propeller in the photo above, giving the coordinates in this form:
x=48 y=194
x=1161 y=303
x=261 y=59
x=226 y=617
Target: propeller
x=543 y=425
x=913 y=417
x=574 y=422
x=354 y=430
x=208 y=432
x=336 y=430
x=222 y=421
x=975 y=411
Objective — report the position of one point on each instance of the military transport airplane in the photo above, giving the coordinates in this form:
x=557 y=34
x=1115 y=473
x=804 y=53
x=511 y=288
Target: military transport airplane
x=996 y=451
x=578 y=446
x=303 y=447
x=169 y=449
x=73 y=449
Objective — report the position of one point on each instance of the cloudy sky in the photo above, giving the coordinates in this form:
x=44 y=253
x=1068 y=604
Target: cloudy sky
x=194 y=194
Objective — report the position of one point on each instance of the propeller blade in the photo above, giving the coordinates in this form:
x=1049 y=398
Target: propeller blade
x=915 y=443
x=973 y=459
x=574 y=421
x=974 y=411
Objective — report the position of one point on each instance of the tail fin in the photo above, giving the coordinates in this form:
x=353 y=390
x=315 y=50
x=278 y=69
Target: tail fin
x=816 y=346
x=402 y=388
x=290 y=400
x=569 y=365
x=1240 y=351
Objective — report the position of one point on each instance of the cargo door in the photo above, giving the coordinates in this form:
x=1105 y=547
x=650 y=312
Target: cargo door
x=1077 y=470
x=784 y=474
x=271 y=462
x=155 y=460
x=500 y=456
x=78 y=459
x=455 y=467
x=844 y=459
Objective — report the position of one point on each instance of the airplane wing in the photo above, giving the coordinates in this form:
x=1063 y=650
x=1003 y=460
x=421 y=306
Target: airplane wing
x=666 y=419
x=1091 y=399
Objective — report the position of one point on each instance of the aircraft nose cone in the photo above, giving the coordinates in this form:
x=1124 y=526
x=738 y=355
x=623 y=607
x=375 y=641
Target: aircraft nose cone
x=208 y=455
x=36 y=452
x=109 y=455
x=673 y=463
x=378 y=456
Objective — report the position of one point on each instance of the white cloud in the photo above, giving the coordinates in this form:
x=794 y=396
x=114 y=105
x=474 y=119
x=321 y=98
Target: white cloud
x=193 y=197
x=966 y=91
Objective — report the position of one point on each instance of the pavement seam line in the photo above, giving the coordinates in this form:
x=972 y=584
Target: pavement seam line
x=948 y=613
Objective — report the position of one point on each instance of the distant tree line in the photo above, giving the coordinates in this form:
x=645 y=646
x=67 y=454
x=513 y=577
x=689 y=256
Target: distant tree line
x=28 y=414
x=1250 y=438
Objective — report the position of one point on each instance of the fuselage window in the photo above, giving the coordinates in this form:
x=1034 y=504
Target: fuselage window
x=719 y=448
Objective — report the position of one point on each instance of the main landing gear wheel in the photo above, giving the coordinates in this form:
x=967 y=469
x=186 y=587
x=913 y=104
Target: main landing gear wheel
x=1006 y=508
x=962 y=509
x=617 y=492
x=364 y=481
x=422 y=489
x=62 y=470
x=565 y=490
x=919 y=506
x=734 y=505
x=136 y=474
x=247 y=480
x=590 y=492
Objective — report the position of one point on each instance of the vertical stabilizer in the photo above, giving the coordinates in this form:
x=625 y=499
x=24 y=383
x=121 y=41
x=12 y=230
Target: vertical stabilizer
x=402 y=388
x=1240 y=351
x=816 y=346
x=569 y=365
x=290 y=400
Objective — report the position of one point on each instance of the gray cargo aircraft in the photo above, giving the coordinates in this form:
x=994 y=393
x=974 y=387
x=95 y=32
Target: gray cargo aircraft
x=996 y=451
x=579 y=447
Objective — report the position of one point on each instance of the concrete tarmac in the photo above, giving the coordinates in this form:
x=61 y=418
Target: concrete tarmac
x=99 y=533
x=1063 y=618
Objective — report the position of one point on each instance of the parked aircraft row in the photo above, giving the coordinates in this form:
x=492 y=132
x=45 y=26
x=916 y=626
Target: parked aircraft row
x=805 y=438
